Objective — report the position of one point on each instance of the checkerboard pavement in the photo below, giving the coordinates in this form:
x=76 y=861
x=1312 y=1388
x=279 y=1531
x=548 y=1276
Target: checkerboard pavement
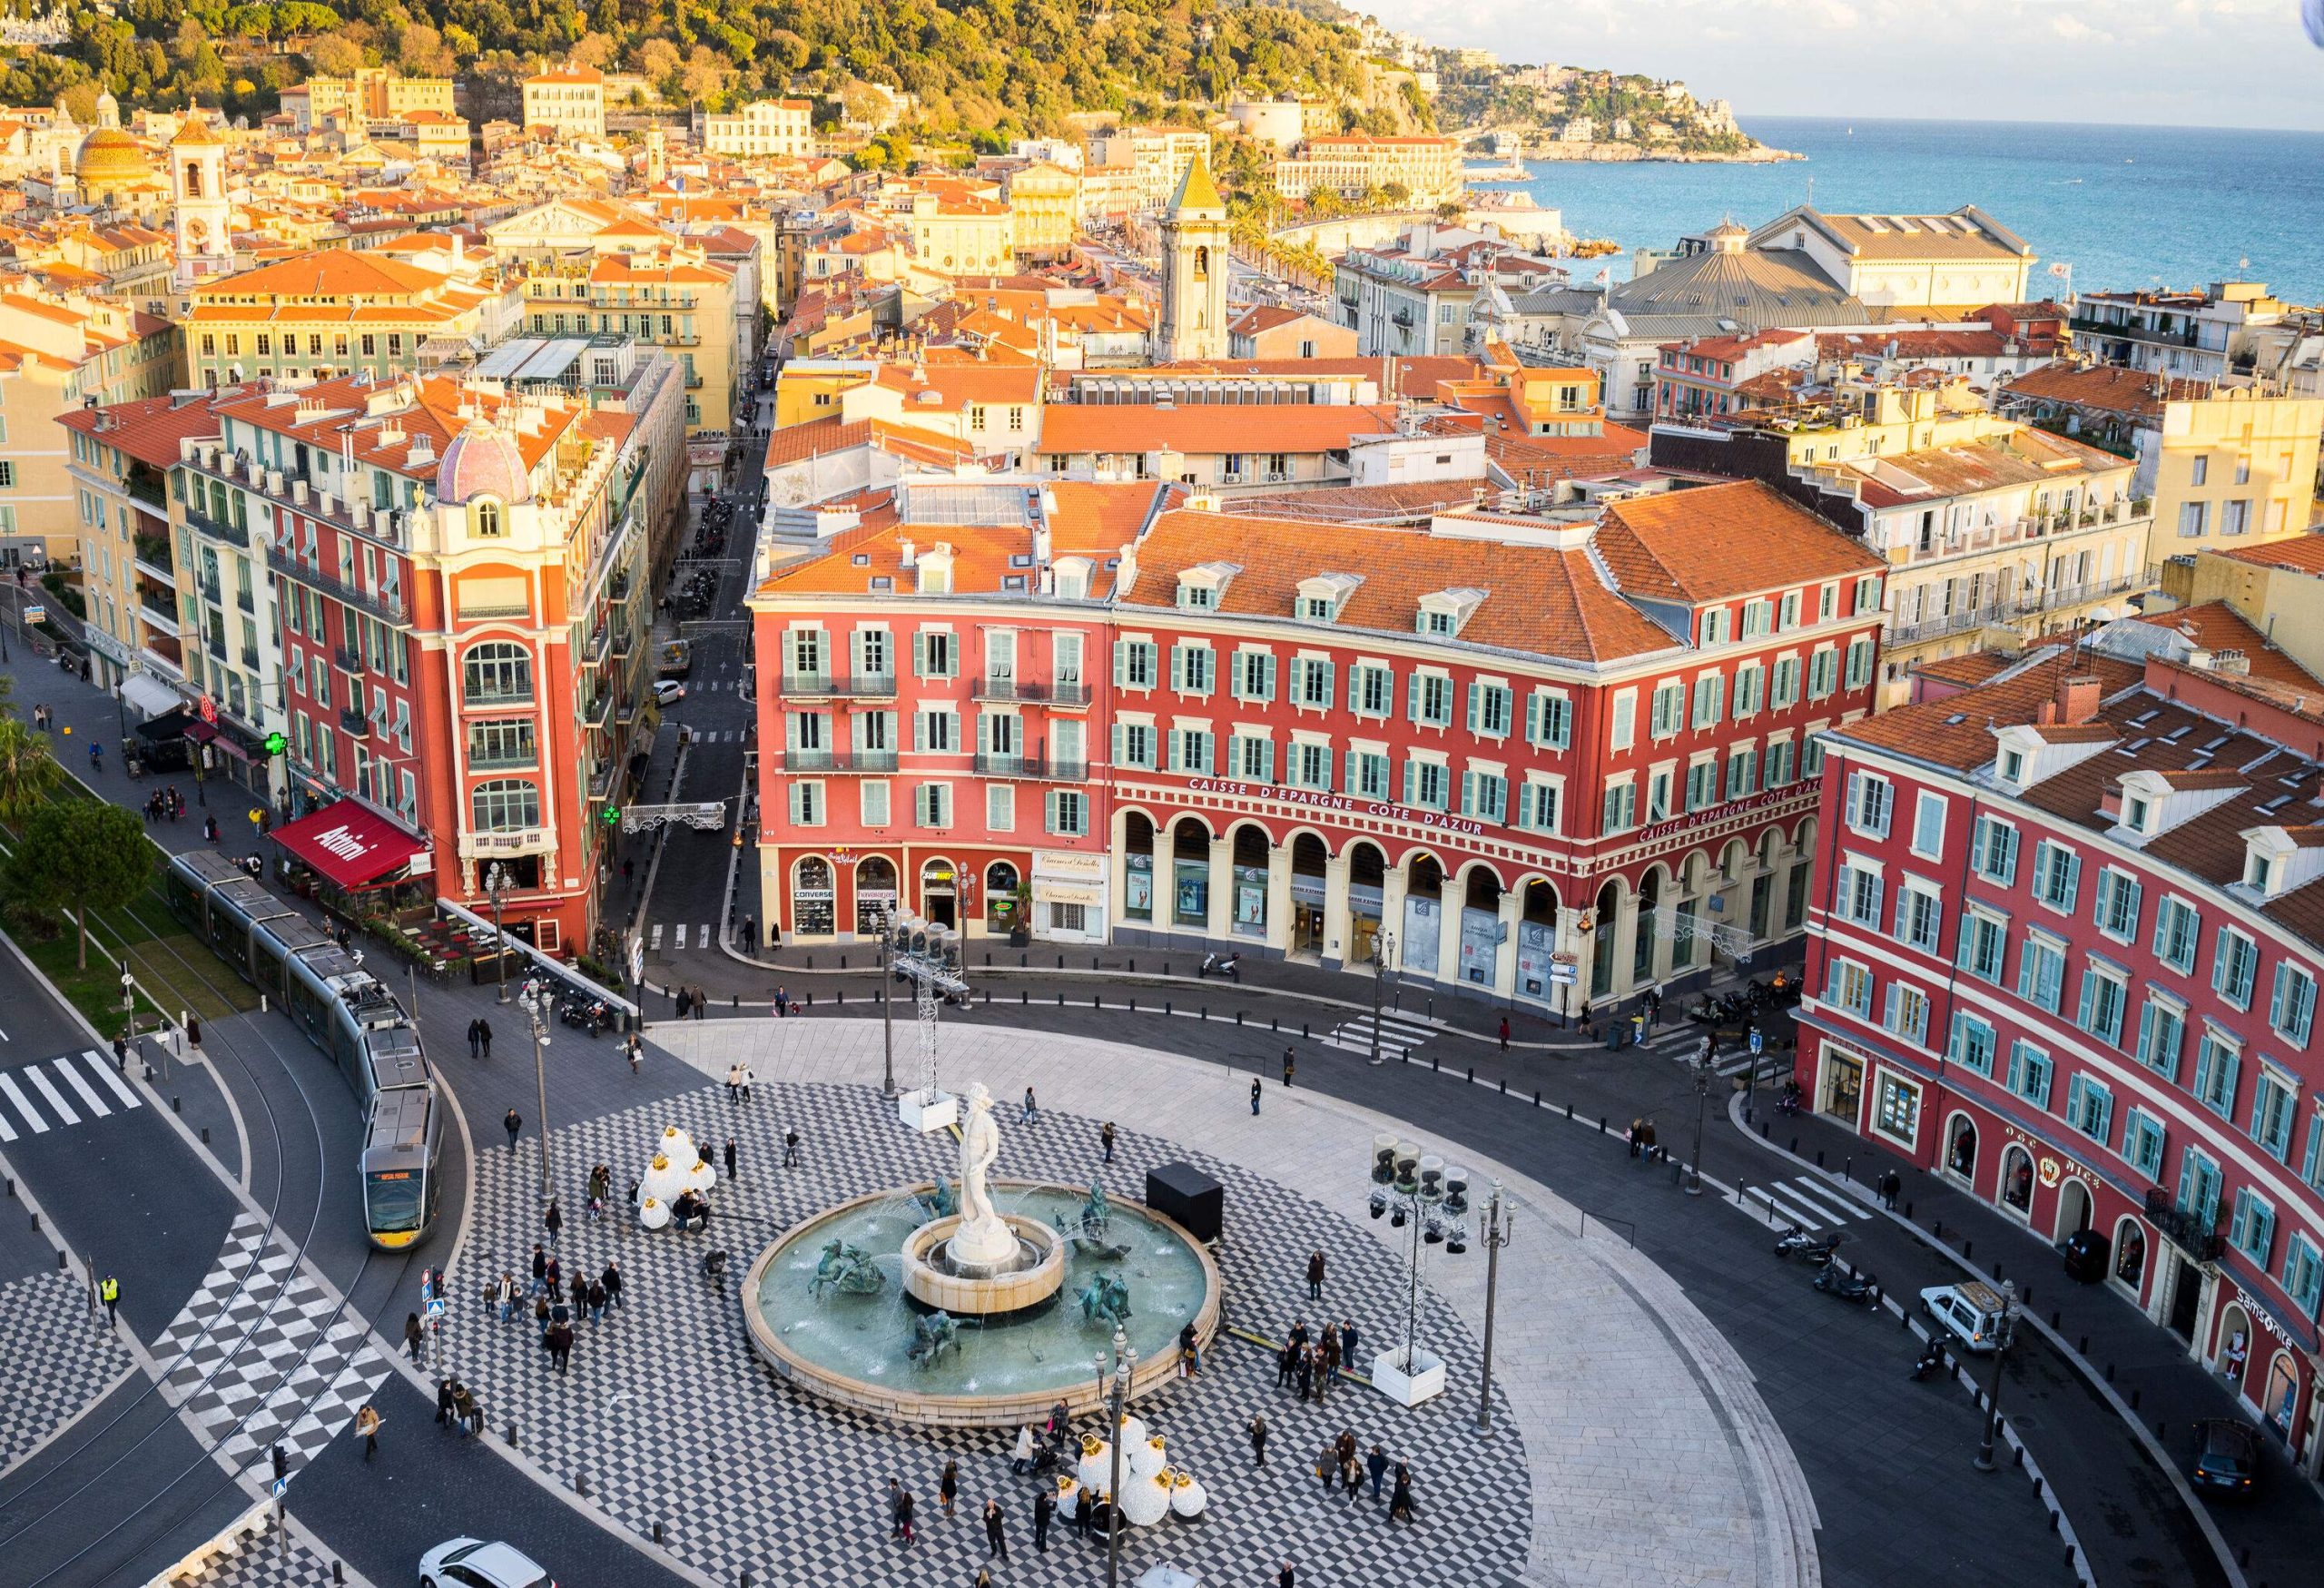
x=668 y=1416
x=253 y=1556
x=261 y=1354
x=57 y=1358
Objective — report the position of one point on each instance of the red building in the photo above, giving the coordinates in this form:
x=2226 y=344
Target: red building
x=455 y=575
x=1510 y=744
x=2065 y=950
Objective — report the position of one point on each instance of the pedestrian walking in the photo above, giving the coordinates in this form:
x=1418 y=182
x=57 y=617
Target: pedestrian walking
x=790 y=1148
x=1032 y=1109
x=996 y=1536
x=903 y=1518
x=1327 y=1466
x=1020 y=1457
x=1286 y=1578
x=120 y=1054
x=636 y=1050
x=553 y=1221
x=476 y=1040
x=367 y=1428
x=948 y=1487
x=512 y=1121
x=1259 y=1431
x=1189 y=1351
x=468 y=1412
x=1286 y=1364
x=1106 y=1139
x=1351 y=1478
x=1044 y=1508
x=1377 y=1464
x=730 y=1158
x=611 y=1278
x=193 y=1035
x=414 y=1341
x=1400 y=1499
x=1891 y=1184
x=1083 y=1510
x=750 y=932
x=735 y=1086
x=1316 y=1277
x=683 y=1000
x=1305 y=1366
x=444 y=1401
x=1287 y=1067
x=596 y=1300
x=1504 y=1033
x=782 y=1002
x=700 y=1002
x=749 y=1077
x=503 y=1294
x=540 y=1269
x=484 y=1030
x=895 y=1509
x=109 y=1292
x=1258 y=1089
x=1348 y=1342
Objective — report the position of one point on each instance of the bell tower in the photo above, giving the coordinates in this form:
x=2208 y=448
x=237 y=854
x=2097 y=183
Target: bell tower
x=1194 y=270
x=199 y=213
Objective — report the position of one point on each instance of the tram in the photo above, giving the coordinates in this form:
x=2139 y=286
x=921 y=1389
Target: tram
x=344 y=1010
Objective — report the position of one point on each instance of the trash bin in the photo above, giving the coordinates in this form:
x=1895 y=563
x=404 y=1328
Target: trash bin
x=2085 y=1252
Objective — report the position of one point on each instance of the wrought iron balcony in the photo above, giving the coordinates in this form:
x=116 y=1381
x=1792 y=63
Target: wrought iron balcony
x=218 y=529
x=848 y=760
x=347 y=661
x=354 y=725
x=2197 y=1236
x=1034 y=768
x=1068 y=693
x=383 y=604
x=860 y=686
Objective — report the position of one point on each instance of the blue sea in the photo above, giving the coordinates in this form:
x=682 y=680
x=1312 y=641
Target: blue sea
x=2126 y=207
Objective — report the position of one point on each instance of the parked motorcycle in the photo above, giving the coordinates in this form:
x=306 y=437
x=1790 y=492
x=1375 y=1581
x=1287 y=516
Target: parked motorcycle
x=1833 y=1280
x=1227 y=965
x=590 y=1014
x=1816 y=1249
x=1933 y=1358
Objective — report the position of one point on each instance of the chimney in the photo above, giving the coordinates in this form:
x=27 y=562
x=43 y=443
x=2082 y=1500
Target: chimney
x=904 y=554
x=2078 y=696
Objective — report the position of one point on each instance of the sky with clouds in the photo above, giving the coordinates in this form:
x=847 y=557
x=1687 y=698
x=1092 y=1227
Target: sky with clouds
x=2201 y=63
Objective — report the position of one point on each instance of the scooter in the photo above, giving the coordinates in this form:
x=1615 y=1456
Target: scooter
x=1933 y=1358
x=1798 y=1243
x=1833 y=1280
x=1227 y=965
x=1788 y=1104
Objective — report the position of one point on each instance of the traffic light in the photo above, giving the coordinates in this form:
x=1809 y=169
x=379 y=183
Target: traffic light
x=276 y=744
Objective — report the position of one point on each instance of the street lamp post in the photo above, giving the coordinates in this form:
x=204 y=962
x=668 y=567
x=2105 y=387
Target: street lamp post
x=496 y=884
x=886 y=1009
x=1118 y=1402
x=2003 y=1334
x=1384 y=944
x=1703 y=1074
x=1420 y=1190
x=1500 y=1226
x=535 y=1004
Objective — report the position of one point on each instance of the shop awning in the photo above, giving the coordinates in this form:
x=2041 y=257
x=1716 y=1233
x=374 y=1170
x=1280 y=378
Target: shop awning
x=351 y=846
x=150 y=694
x=171 y=724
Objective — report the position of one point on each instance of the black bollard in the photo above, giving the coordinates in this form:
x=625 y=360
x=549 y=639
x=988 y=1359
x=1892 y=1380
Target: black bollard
x=2109 y=1373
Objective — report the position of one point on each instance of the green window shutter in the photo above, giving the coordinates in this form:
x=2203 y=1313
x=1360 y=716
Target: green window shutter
x=1324 y=779
x=1330 y=681
x=918 y=654
x=920 y=730
x=1178 y=667
x=1121 y=663
x=1412 y=782
x=1469 y=789
x=1415 y=694
x=1266 y=678
x=1476 y=704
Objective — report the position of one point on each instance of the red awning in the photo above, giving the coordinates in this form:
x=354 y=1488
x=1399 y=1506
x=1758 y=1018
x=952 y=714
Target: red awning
x=352 y=846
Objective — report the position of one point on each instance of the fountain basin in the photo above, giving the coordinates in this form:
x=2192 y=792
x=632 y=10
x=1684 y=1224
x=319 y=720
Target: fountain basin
x=983 y=1289
x=1010 y=1368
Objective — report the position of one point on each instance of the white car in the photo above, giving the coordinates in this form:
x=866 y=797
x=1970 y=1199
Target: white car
x=668 y=692
x=470 y=1563
x=1973 y=1313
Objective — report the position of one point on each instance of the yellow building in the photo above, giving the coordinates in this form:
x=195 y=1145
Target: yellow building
x=373 y=93
x=1157 y=156
x=764 y=126
x=810 y=388
x=1044 y=208
x=1428 y=170
x=2232 y=466
x=2277 y=587
x=58 y=352
x=569 y=99
x=331 y=311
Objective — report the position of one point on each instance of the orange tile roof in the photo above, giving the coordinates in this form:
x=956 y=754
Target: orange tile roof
x=942 y=385
x=1205 y=429
x=148 y=430
x=327 y=272
x=1091 y=519
x=2299 y=554
x=2216 y=626
x=1719 y=541
x=1957 y=731
x=1539 y=600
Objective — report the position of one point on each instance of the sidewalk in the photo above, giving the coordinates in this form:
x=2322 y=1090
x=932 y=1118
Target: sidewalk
x=2139 y=1366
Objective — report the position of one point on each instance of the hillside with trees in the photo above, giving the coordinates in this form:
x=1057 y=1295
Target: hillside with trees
x=995 y=67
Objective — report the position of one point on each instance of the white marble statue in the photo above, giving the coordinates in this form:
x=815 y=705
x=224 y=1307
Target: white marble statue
x=983 y=1237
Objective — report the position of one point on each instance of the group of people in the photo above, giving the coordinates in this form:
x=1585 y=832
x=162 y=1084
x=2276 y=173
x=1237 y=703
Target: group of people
x=457 y=1407
x=739 y=1079
x=166 y=804
x=691 y=1000
x=479 y=1038
x=1313 y=1361
x=1338 y=1462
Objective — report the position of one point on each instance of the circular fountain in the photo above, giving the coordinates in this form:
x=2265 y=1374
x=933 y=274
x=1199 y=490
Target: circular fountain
x=985 y=1312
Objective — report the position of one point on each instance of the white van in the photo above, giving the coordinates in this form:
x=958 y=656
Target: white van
x=1972 y=1311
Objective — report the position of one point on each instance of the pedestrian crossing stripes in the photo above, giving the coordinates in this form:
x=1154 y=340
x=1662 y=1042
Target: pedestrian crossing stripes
x=88 y=1076
x=1682 y=1043
x=1399 y=1035
x=1805 y=1201
x=653 y=938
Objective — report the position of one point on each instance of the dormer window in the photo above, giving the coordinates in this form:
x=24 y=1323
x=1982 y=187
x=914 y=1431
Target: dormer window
x=2257 y=870
x=1319 y=599
x=1444 y=612
x=2012 y=766
x=2135 y=812
x=934 y=572
x=486 y=521
x=1072 y=576
x=1203 y=588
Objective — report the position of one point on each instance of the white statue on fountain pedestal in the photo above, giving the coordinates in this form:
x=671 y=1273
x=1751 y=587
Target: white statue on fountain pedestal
x=983 y=1237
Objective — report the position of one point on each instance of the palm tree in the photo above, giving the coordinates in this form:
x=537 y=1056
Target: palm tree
x=29 y=774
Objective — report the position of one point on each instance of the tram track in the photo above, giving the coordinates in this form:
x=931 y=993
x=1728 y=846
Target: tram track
x=274 y=1232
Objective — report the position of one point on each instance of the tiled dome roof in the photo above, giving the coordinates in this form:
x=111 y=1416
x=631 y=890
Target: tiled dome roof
x=110 y=155
x=482 y=461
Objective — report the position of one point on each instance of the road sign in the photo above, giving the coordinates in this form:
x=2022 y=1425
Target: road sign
x=636 y=960
x=1758 y=1042
x=35 y=613
x=280 y=1486
x=434 y=1307
x=1563 y=975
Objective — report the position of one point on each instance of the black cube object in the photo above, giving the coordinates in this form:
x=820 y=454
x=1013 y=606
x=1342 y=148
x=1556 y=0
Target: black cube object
x=1189 y=1196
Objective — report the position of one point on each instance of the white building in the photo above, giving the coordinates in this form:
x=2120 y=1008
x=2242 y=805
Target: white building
x=764 y=126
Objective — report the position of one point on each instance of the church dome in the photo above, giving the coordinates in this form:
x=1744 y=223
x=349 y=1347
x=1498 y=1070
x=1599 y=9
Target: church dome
x=482 y=461
x=110 y=156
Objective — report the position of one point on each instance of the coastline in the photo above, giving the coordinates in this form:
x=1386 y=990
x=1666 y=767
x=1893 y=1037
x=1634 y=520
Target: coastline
x=1608 y=153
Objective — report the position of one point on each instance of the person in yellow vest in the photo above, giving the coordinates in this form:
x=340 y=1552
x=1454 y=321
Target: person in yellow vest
x=109 y=1292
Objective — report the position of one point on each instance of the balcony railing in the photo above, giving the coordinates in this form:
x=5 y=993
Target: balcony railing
x=597 y=713
x=839 y=760
x=1041 y=768
x=218 y=529
x=1067 y=691
x=2092 y=326
x=354 y=725
x=503 y=760
x=2034 y=605
x=383 y=604
x=862 y=686
x=347 y=661
x=2199 y=1238
x=495 y=700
